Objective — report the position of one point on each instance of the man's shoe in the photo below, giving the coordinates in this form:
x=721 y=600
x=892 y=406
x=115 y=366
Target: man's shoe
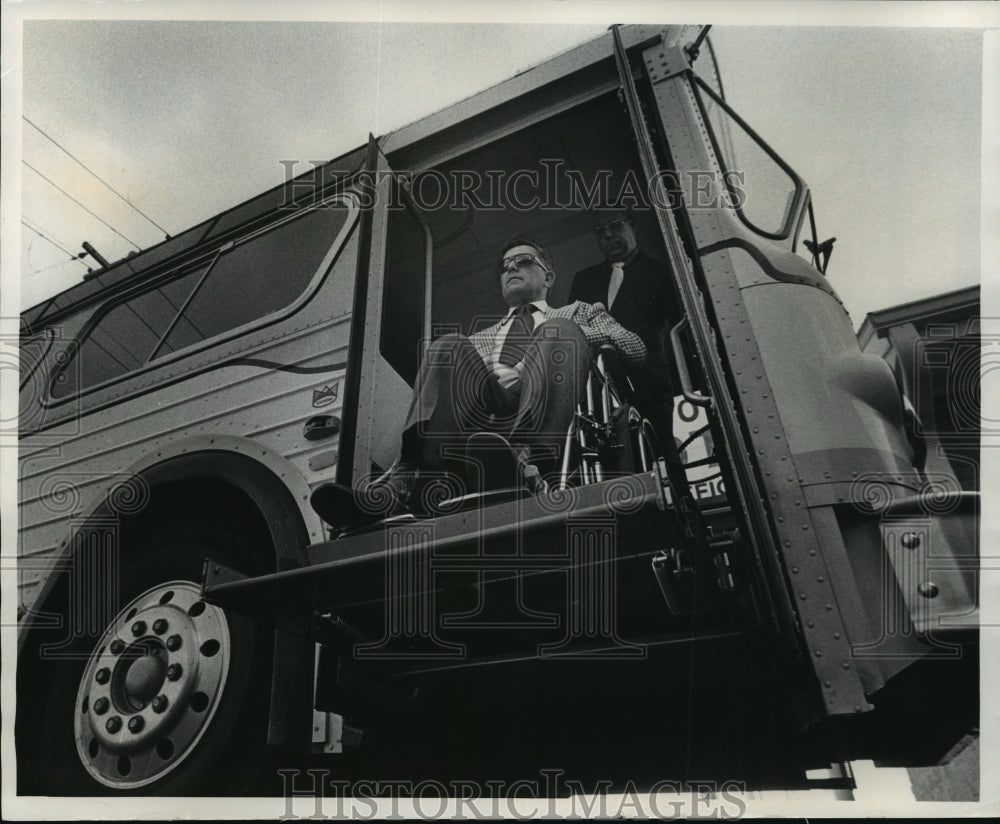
x=390 y=493
x=388 y=496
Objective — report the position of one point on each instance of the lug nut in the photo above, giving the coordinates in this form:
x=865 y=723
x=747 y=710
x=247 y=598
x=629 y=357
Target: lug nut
x=113 y=724
x=103 y=675
x=139 y=628
x=135 y=724
x=174 y=643
x=160 y=626
x=117 y=647
x=174 y=671
x=101 y=706
x=159 y=703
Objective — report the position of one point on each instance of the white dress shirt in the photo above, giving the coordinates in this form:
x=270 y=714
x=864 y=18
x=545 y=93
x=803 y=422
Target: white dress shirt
x=615 y=283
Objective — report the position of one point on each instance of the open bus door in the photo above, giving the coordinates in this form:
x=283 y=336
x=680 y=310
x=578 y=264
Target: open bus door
x=392 y=319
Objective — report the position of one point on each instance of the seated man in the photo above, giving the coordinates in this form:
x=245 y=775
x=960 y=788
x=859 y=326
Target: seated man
x=637 y=292
x=521 y=377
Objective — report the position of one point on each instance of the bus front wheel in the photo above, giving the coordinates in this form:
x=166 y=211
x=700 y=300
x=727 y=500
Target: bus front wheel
x=169 y=698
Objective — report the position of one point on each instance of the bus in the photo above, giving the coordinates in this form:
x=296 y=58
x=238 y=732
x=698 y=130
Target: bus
x=801 y=592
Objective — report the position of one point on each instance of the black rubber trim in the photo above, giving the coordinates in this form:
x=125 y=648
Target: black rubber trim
x=285 y=367
x=763 y=262
x=355 y=347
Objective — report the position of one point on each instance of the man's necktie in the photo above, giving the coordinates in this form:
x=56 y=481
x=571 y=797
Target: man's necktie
x=617 y=276
x=521 y=327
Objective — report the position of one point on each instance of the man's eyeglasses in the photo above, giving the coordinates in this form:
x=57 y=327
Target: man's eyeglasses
x=612 y=226
x=521 y=261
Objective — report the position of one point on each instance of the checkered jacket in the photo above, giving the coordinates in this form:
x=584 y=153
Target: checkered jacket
x=597 y=325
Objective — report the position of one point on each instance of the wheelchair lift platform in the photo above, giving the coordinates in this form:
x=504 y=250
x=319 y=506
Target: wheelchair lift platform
x=512 y=572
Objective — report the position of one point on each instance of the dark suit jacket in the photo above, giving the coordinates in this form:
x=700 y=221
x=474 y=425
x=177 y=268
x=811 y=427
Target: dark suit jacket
x=644 y=304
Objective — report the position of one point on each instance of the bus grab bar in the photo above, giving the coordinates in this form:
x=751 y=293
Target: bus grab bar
x=686 y=389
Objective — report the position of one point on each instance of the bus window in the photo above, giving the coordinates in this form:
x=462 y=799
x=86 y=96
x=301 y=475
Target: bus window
x=259 y=276
x=703 y=60
x=403 y=294
x=123 y=338
x=763 y=188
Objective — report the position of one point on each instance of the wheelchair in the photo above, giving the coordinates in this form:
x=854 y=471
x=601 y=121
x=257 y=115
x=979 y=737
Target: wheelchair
x=607 y=436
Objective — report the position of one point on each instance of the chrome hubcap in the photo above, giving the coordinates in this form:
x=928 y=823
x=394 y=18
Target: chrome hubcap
x=144 y=678
x=151 y=686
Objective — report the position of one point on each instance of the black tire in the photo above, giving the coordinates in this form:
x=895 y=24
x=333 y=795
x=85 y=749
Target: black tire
x=196 y=677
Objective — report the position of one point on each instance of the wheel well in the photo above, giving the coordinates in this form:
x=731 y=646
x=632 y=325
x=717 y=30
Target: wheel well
x=197 y=499
x=169 y=502
x=215 y=485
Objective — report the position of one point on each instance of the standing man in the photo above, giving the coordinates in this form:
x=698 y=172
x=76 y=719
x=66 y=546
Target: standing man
x=521 y=378
x=639 y=295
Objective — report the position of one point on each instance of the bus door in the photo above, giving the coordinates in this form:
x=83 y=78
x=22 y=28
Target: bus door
x=392 y=319
x=675 y=148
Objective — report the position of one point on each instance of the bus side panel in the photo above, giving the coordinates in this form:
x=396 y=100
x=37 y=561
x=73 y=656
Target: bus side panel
x=832 y=396
x=252 y=395
x=832 y=425
x=822 y=420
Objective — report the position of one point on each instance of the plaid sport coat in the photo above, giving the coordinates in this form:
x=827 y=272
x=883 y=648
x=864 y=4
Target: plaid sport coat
x=597 y=325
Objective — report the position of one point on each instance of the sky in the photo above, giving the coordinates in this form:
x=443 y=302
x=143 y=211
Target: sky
x=879 y=109
x=186 y=118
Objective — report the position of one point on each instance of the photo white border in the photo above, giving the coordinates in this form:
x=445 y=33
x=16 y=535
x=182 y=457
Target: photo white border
x=939 y=14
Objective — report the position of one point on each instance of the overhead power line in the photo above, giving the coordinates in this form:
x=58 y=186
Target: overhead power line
x=43 y=236
x=72 y=258
x=60 y=263
x=78 y=203
x=92 y=172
